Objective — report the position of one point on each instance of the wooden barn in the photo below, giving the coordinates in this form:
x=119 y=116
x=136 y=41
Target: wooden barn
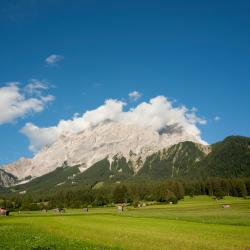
x=4 y=212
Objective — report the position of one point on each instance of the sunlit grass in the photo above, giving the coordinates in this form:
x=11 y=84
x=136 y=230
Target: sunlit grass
x=195 y=223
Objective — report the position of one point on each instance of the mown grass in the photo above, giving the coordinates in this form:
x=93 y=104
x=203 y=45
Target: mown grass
x=198 y=223
x=22 y=236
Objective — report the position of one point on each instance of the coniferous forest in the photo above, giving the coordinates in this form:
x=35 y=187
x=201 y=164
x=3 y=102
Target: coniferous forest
x=127 y=192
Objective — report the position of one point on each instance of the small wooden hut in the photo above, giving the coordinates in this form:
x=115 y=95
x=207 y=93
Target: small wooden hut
x=120 y=208
x=85 y=209
x=225 y=206
x=4 y=212
x=59 y=210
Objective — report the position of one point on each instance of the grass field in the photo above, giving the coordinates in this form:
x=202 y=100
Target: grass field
x=192 y=224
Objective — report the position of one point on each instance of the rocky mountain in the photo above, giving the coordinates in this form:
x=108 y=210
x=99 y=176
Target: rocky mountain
x=19 y=168
x=228 y=158
x=92 y=145
x=179 y=160
x=113 y=152
x=6 y=179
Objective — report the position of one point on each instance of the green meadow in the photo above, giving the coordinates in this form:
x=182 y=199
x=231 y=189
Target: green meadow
x=192 y=224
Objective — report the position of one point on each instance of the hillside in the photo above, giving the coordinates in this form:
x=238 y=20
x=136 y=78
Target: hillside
x=180 y=160
x=67 y=177
x=61 y=176
x=228 y=158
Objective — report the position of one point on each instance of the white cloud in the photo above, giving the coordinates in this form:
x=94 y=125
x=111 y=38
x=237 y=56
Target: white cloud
x=35 y=86
x=158 y=114
x=53 y=59
x=217 y=118
x=40 y=137
x=134 y=95
x=16 y=102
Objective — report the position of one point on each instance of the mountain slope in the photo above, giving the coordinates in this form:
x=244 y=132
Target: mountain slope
x=95 y=144
x=119 y=169
x=228 y=158
x=64 y=175
x=179 y=160
x=19 y=168
x=6 y=179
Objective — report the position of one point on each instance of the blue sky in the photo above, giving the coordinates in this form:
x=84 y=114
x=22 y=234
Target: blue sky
x=194 y=52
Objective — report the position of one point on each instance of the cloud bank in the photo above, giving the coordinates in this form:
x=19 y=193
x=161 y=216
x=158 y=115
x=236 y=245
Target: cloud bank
x=16 y=102
x=157 y=114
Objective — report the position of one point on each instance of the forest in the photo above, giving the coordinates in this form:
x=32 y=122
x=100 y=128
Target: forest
x=133 y=193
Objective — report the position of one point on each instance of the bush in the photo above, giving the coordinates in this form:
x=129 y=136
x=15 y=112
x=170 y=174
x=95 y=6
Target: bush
x=135 y=204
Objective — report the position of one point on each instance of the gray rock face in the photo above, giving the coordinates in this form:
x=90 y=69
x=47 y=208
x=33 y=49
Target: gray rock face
x=19 y=168
x=6 y=179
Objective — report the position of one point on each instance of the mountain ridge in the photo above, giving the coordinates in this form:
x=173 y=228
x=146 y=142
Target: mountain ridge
x=94 y=144
x=185 y=160
x=114 y=152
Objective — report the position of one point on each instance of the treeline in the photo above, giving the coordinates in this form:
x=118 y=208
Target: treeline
x=127 y=192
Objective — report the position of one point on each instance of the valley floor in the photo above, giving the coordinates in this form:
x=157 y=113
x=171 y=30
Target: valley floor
x=192 y=224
